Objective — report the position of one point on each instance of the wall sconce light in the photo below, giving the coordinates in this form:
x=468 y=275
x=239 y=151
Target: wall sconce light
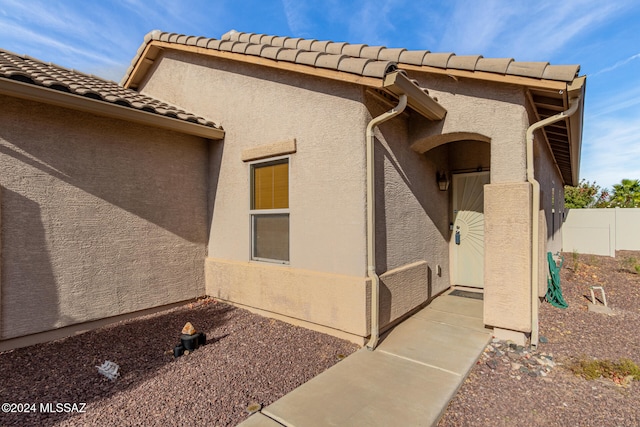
x=443 y=181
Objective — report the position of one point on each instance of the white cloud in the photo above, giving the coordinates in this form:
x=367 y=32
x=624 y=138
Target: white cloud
x=297 y=19
x=526 y=30
x=373 y=23
x=612 y=149
x=616 y=65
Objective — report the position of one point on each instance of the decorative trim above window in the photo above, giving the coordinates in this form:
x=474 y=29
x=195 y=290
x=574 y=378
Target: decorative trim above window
x=269 y=150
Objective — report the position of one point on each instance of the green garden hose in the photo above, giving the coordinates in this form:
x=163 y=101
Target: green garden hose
x=554 y=292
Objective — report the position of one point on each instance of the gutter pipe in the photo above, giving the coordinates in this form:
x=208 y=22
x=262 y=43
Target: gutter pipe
x=371 y=219
x=535 y=206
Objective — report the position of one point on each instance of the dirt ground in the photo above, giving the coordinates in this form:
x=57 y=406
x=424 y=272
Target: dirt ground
x=496 y=394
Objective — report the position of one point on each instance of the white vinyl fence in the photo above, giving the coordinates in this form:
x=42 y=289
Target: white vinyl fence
x=601 y=231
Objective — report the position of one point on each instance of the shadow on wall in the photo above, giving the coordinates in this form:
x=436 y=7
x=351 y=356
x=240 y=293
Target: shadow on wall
x=215 y=161
x=154 y=174
x=421 y=183
x=27 y=266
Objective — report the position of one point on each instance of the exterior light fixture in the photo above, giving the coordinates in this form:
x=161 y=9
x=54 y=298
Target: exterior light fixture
x=443 y=181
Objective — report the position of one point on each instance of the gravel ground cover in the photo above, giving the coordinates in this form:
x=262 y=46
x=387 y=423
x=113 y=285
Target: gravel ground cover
x=504 y=389
x=251 y=359
x=248 y=359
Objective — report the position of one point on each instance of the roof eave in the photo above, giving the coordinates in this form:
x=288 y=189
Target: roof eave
x=68 y=100
x=141 y=65
x=398 y=83
x=489 y=77
x=576 y=90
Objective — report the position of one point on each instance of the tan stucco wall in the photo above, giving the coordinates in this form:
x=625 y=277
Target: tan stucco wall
x=551 y=207
x=492 y=110
x=259 y=108
x=99 y=217
x=335 y=301
x=507 y=268
x=411 y=219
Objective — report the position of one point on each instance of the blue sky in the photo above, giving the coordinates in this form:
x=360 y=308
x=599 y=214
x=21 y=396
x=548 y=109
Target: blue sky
x=101 y=38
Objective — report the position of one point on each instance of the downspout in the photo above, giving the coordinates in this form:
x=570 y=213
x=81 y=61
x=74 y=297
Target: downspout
x=535 y=206
x=371 y=218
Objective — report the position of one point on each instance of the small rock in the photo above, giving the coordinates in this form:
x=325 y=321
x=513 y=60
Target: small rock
x=490 y=348
x=253 y=407
x=188 y=329
x=515 y=366
x=512 y=356
x=543 y=339
x=493 y=364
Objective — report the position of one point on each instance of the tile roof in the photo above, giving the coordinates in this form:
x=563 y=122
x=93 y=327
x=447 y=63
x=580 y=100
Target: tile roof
x=32 y=71
x=359 y=59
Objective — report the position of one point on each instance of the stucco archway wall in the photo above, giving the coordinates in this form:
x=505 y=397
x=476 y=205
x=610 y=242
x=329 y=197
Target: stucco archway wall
x=498 y=112
x=425 y=144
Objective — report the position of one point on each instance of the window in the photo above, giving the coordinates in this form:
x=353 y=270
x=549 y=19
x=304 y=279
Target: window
x=270 y=211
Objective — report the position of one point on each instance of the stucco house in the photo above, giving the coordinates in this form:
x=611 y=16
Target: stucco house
x=341 y=187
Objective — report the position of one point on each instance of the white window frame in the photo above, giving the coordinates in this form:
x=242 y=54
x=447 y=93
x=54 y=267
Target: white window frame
x=258 y=212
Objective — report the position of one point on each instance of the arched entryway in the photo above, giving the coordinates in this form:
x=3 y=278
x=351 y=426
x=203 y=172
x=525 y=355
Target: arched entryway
x=465 y=158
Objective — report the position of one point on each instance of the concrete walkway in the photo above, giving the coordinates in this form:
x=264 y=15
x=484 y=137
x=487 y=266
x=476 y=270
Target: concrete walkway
x=407 y=381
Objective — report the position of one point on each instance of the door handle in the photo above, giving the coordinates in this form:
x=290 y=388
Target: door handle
x=457 y=237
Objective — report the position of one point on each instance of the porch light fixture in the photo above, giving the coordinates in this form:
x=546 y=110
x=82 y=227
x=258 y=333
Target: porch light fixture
x=443 y=181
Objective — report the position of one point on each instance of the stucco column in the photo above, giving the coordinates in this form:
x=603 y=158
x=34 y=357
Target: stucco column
x=507 y=268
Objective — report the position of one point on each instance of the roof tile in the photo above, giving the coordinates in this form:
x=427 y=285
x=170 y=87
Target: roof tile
x=353 y=49
x=256 y=38
x=371 y=52
x=413 y=57
x=279 y=41
x=240 y=47
x=305 y=44
x=527 y=69
x=255 y=49
x=466 y=62
x=357 y=55
x=494 y=65
x=292 y=43
x=331 y=62
x=353 y=65
x=378 y=68
x=335 y=48
x=227 y=45
x=391 y=54
x=309 y=58
x=320 y=46
x=439 y=60
x=53 y=77
x=288 y=55
x=271 y=52
x=244 y=37
x=561 y=72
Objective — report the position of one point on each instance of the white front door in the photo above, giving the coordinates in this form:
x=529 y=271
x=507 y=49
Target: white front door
x=467 y=240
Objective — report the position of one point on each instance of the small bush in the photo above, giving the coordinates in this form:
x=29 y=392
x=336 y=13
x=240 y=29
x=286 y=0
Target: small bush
x=575 y=257
x=632 y=264
x=615 y=371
